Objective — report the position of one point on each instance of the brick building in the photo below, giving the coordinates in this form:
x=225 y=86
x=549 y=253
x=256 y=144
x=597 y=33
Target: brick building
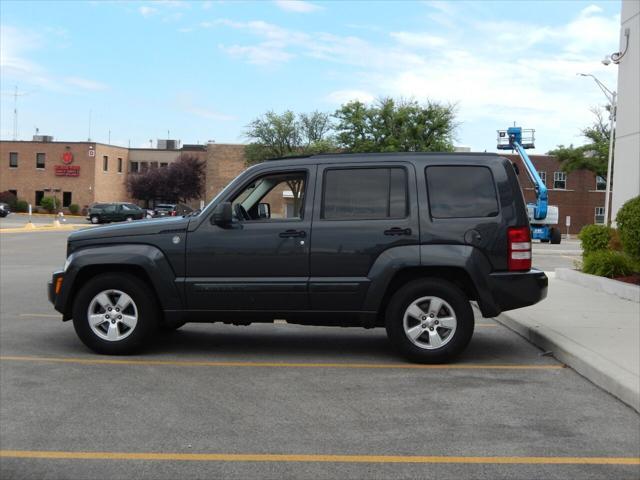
x=579 y=195
x=86 y=172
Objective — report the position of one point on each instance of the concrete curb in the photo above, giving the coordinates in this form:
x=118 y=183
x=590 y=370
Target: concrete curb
x=623 y=290
x=597 y=369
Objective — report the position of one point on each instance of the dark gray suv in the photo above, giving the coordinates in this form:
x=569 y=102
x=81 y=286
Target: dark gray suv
x=401 y=241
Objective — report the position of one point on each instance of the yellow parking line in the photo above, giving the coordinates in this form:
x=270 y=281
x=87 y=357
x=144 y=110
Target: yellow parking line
x=112 y=361
x=253 y=457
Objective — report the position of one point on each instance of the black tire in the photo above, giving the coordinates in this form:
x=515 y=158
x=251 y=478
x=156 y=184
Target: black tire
x=556 y=236
x=95 y=219
x=129 y=218
x=143 y=299
x=430 y=287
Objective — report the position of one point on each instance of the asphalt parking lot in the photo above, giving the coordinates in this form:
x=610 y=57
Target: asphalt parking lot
x=285 y=401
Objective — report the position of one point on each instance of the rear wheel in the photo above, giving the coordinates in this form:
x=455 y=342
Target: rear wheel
x=556 y=236
x=129 y=218
x=95 y=219
x=114 y=314
x=429 y=321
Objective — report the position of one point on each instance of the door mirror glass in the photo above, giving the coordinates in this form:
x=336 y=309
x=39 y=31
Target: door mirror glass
x=264 y=210
x=222 y=214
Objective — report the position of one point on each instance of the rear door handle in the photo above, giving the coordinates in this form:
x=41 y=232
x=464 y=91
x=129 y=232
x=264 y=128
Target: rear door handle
x=293 y=234
x=398 y=231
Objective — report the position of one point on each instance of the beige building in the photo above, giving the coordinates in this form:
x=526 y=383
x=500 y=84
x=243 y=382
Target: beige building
x=82 y=173
x=626 y=167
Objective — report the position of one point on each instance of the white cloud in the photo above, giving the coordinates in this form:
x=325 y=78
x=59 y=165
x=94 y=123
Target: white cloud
x=343 y=96
x=147 y=11
x=266 y=53
x=86 y=84
x=297 y=6
x=418 y=40
x=188 y=104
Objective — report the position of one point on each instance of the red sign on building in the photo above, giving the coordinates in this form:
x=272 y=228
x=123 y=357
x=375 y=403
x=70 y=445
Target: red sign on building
x=67 y=170
x=67 y=158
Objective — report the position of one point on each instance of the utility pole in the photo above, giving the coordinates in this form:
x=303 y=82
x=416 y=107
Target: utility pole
x=15 y=96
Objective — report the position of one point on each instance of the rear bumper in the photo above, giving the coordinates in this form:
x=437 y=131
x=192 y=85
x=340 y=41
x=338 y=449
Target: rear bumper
x=511 y=290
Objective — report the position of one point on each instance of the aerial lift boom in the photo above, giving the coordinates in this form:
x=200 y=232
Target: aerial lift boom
x=541 y=215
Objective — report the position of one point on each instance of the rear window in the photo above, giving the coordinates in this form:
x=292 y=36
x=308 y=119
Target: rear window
x=365 y=193
x=461 y=192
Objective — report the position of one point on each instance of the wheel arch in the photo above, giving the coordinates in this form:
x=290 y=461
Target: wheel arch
x=145 y=262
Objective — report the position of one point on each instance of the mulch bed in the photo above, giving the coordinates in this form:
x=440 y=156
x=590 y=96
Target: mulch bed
x=634 y=279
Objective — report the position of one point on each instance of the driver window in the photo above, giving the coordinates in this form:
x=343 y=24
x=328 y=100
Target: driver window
x=274 y=197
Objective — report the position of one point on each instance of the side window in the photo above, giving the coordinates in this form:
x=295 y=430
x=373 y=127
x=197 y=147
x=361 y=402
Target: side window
x=461 y=192
x=109 y=209
x=364 y=194
x=274 y=197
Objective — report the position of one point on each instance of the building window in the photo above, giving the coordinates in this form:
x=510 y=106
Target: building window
x=133 y=167
x=66 y=199
x=163 y=165
x=119 y=165
x=543 y=177
x=599 y=216
x=601 y=183
x=39 y=195
x=153 y=164
x=144 y=166
x=559 y=180
x=105 y=164
x=40 y=160
x=13 y=159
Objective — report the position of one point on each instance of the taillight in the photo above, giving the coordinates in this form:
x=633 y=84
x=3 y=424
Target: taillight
x=519 y=239
x=173 y=213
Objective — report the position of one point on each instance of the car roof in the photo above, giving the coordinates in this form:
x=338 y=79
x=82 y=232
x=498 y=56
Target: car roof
x=480 y=157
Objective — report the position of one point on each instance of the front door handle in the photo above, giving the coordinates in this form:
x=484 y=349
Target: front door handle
x=293 y=234
x=398 y=231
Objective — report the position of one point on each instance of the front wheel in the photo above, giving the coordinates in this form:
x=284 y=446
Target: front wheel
x=429 y=321
x=114 y=314
x=95 y=219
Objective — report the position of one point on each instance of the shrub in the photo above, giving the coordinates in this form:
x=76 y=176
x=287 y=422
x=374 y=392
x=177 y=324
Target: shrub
x=49 y=203
x=74 y=208
x=594 y=238
x=614 y=242
x=22 y=206
x=8 y=198
x=628 y=220
x=606 y=263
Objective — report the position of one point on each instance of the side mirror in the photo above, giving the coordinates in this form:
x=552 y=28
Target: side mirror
x=222 y=214
x=264 y=210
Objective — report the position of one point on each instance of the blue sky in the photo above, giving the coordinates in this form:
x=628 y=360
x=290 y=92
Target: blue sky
x=203 y=70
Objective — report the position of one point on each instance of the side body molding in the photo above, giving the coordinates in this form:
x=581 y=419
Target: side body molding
x=146 y=257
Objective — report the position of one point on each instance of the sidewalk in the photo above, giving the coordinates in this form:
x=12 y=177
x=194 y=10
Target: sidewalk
x=595 y=333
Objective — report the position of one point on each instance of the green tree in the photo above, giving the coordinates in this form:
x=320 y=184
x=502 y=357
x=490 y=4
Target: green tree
x=274 y=135
x=395 y=126
x=592 y=156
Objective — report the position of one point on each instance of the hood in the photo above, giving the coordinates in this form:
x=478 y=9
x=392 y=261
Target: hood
x=137 y=227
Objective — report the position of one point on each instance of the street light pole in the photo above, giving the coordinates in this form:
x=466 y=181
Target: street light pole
x=612 y=118
x=612 y=98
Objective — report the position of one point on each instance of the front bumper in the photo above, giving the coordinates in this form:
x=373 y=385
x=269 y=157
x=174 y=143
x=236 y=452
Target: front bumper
x=513 y=290
x=51 y=289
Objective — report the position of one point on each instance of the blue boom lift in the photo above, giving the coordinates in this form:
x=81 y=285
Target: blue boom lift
x=541 y=215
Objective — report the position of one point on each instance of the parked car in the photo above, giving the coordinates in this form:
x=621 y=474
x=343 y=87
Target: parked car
x=400 y=241
x=171 y=210
x=114 y=212
x=4 y=210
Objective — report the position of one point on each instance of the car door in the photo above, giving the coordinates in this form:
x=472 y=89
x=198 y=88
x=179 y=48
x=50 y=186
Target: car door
x=108 y=213
x=361 y=211
x=261 y=260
